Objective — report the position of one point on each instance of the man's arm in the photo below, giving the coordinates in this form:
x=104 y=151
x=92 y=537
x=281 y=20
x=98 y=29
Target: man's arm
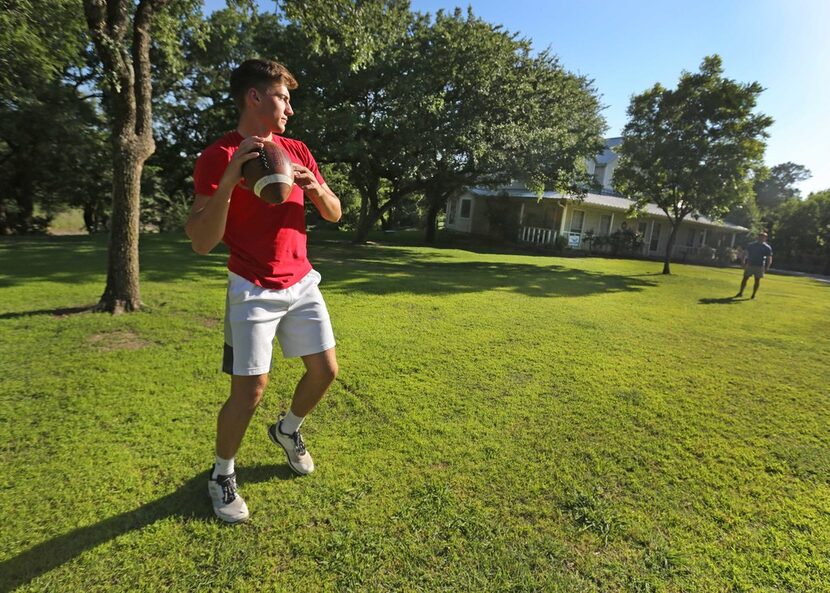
x=769 y=262
x=205 y=226
x=326 y=202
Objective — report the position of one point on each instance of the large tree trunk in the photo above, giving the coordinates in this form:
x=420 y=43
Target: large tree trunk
x=130 y=91
x=432 y=216
x=372 y=215
x=669 y=249
x=122 y=292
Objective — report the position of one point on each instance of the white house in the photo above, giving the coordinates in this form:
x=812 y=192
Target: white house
x=515 y=213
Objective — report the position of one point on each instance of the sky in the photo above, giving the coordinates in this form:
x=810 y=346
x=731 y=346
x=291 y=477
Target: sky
x=626 y=46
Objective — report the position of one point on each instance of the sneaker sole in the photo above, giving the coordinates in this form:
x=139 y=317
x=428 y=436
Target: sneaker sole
x=229 y=521
x=274 y=440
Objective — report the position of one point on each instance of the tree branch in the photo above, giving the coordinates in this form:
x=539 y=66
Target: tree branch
x=141 y=62
x=107 y=21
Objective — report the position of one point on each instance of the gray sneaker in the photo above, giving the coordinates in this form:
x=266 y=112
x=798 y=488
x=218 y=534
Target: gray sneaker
x=227 y=504
x=298 y=458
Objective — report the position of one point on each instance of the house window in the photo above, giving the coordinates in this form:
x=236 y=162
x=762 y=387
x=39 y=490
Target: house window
x=605 y=225
x=577 y=220
x=451 y=212
x=641 y=229
x=466 y=205
x=655 y=237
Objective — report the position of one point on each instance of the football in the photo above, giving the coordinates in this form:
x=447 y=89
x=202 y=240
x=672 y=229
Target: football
x=270 y=175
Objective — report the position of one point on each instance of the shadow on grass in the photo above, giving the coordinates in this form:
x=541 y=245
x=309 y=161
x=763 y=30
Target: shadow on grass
x=189 y=501
x=721 y=301
x=79 y=259
x=389 y=270
x=60 y=312
x=370 y=269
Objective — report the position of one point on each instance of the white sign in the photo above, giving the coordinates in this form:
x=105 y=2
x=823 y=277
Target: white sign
x=573 y=240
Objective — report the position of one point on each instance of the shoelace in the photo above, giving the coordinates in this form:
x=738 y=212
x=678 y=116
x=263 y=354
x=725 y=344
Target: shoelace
x=228 y=489
x=299 y=445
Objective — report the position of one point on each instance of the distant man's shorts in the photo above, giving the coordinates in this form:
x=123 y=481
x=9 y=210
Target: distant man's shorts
x=757 y=271
x=296 y=315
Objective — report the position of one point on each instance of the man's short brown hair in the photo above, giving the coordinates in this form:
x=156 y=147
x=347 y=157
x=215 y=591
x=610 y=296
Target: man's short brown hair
x=258 y=74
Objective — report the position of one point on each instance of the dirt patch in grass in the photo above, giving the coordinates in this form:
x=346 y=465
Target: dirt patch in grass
x=210 y=322
x=118 y=340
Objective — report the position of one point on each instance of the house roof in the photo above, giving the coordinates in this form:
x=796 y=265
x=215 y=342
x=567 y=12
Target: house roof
x=610 y=202
x=608 y=155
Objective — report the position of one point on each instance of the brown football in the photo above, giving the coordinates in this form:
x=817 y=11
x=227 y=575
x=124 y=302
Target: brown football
x=270 y=176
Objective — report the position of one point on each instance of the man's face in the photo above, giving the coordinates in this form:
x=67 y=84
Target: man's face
x=273 y=106
x=762 y=238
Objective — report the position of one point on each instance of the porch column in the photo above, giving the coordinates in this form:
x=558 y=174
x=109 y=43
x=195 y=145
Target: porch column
x=703 y=242
x=564 y=216
x=732 y=245
x=650 y=233
x=611 y=226
x=521 y=214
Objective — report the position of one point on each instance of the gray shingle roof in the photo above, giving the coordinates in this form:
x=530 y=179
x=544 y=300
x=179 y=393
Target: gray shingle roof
x=608 y=155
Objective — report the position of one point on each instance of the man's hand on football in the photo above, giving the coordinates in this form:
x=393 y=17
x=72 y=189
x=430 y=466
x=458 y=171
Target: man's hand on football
x=248 y=149
x=304 y=177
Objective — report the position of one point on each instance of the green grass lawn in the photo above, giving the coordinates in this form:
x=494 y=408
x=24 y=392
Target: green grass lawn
x=500 y=423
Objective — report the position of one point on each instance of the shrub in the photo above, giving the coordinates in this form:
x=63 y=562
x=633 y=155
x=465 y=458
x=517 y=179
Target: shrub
x=621 y=242
x=726 y=255
x=706 y=254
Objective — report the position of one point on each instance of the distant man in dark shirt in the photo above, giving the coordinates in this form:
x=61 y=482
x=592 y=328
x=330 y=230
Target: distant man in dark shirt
x=757 y=261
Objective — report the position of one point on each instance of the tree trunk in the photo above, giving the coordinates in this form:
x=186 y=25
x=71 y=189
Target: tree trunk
x=669 y=248
x=127 y=66
x=432 y=216
x=122 y=293
x=372 y=216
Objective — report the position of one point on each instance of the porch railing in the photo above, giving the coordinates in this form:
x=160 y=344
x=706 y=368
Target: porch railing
x=537 y=235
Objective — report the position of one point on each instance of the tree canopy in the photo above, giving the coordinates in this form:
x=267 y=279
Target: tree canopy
x=777 y=185
x=692 y=150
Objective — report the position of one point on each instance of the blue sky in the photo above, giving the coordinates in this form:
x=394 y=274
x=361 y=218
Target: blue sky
x=626 y=46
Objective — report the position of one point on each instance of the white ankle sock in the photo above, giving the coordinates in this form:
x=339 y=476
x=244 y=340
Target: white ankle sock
x=223 y=467
x=291 y=423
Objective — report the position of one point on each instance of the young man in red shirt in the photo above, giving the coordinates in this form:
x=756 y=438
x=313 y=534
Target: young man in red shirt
x=272 y=288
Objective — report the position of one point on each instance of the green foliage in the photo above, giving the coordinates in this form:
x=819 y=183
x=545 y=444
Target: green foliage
x=746 y=214
x=726 y=255
x=778 y=185
x=620 y=242
x=415 y=114
x=693 y=149
x=31 y=54
x=801 y=233
x=47 y=116
x=499 y=423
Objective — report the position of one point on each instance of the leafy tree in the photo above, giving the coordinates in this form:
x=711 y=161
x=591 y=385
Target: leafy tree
x=436 y=105
x=123 y=35
x=487 y=111
x=745 y=214
x=344 y=55
x=801 y=231
x=691 y=150
x=778 y=185
x=47 y=102
x=192 y=106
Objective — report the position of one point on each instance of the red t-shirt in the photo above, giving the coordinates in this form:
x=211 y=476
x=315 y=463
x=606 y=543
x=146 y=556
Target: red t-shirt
x=267 y=241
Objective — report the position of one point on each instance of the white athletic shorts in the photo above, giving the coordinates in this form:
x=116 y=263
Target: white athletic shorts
x=296 y=315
